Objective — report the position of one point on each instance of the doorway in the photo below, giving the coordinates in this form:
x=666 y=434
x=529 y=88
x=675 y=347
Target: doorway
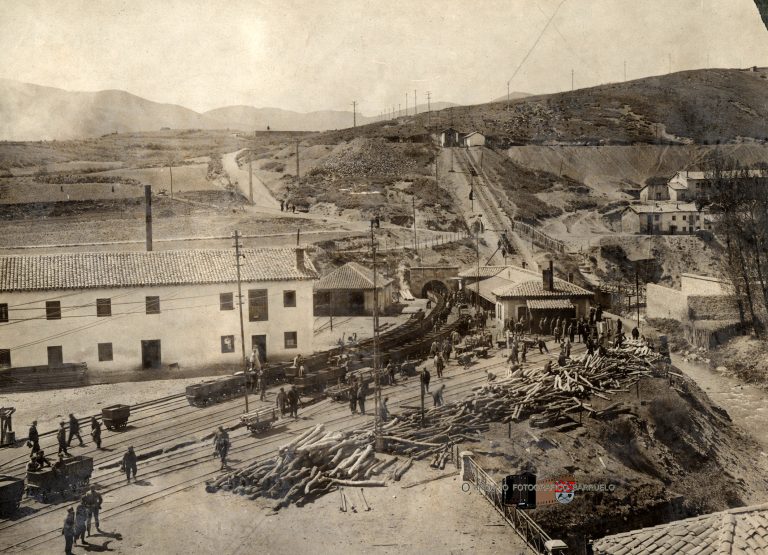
x=55 y=357
x=260 y=341
x=150 y=353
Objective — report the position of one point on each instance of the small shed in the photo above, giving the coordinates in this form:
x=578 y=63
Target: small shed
x=349 y=291
x=473 y=139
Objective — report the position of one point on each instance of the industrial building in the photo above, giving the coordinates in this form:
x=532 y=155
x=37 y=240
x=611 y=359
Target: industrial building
x=665 y=218
x=144 y=310
x=349 y=291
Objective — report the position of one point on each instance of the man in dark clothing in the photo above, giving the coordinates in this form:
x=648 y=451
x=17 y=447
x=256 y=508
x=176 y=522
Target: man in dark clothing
x=81 y=520
x=513 y=354
x=34 y=437
x=353 y=395
x=281 y=401
x=262 y=384
x=599 y=313
x=542 y=346
x=571 y=331
x=68 y=531
x=129 y=464
x=361 y=393
x=425 y=377
x=524 y=352
x=293 y=401
x=221 y=446
x=93 y=501
x=40 y=459
x=635 y=333
x=74 y=430
x=61 y=436
x=590 y=346
x=96 y=431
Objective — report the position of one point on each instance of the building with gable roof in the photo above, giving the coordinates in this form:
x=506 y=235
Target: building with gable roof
x=144 y=310
x=349 y=291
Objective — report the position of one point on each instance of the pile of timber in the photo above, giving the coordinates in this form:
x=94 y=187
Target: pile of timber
x=310 y=465
x=547 y=398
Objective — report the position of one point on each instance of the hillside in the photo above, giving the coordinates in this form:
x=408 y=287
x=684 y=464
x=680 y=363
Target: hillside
x=707 y=106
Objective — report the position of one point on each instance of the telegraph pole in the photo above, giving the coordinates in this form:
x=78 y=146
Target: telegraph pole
x=298 y=177
x=571 y=79
x=250 y=177
x=170 y=169
x=354 y=113
x=406 y=104
x=377 y=381
x=429 y=108
x=415 y=106
x=507 y=96
x=415 y=239
x=477 y=252
x=238 y=255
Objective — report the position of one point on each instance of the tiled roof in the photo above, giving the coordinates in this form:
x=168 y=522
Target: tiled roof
x=485 y=271
x=488 y=286
x=89 y=270
x=535 y=289
x=741 y=530
x=549 y=304
x=659 y=207
x=351 y=276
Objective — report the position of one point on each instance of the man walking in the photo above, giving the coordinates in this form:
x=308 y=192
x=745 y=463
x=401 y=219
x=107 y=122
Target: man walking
x=93 y=501
x=74 y=430
x=425 y=377
x=34 y=437
x=437 y=396
x=281 y=401
x=61 y=437
x=68 y=531
x=81 y=520
x=221 y=446
x=353 y=395
x=129 y=464
x=293 y=401
x=262 y=384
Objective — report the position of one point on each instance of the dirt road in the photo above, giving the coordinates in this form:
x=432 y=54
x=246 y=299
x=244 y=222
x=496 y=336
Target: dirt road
x=262 y=197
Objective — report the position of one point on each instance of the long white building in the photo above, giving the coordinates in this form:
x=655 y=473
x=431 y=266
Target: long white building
x=143 y=310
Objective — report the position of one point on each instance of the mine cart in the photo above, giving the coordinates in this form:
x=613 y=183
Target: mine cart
x=72 y=479
x=338 y=392
x=214 y=391
x=115 y=417
x=11 y=492
x=259 y=420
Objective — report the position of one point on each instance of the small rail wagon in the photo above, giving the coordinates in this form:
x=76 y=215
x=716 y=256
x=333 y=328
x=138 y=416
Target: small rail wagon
x=70 y=480
x=115 y=417
x=215 y=391
x=11 y=492
x=259 y=420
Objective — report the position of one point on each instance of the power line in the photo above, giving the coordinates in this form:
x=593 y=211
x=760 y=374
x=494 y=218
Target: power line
x=536 y=42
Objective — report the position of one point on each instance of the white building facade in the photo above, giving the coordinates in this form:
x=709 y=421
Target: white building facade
x=144 y=310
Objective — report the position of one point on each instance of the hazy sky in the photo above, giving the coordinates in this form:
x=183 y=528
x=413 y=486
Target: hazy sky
x=322 y=54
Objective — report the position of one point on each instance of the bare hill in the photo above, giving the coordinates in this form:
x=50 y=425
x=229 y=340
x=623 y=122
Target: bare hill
x=707 y=106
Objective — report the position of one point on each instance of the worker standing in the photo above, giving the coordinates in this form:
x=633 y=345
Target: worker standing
x=81 y=520
x=129 y=464
x=93 y=501
x=425 y=377
x=353 y=395
x=68 y=531
x=34 y=437
x=262 y=383
x=361 y=393
x=293 y=401
x=281 y=401
x=437 y=396
x=96 y=431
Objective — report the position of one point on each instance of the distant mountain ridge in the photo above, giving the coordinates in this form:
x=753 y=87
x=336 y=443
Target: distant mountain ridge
x=30 y=112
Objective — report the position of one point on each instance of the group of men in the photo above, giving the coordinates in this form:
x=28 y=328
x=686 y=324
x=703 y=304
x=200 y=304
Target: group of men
x=288 y=401
x=77 y=523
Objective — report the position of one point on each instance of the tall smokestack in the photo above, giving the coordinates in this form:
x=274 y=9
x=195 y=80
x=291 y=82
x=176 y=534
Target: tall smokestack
x=148 y=205
x=551 y=277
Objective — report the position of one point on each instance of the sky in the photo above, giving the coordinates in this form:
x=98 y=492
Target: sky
x=307 y=55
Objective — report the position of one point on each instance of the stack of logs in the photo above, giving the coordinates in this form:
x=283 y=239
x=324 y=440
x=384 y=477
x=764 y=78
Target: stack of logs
x=318 y=461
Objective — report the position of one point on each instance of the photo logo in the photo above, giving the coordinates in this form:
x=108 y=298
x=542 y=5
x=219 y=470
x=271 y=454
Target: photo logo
x=564 y=491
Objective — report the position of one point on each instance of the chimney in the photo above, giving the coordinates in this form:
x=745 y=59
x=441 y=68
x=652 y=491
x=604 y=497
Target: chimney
x=148 y=204
x=300 y=265
x=551 y=277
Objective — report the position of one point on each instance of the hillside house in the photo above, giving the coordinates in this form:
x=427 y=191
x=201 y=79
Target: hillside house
x=687 y=186
x=144 y=310
x=449 y=138
x=473 y=139
x=665 y=218
x=349 y=291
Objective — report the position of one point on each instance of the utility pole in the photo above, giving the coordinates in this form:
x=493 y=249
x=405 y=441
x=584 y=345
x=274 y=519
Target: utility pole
x=298 y=177
x=250 y=177
x=406 y=104
x=429 y=108
x=415 y=105
x=376 y=377
x=238 y=255
x=415 y=239
x=507 y=96
x=477 y=251
x=354 y=113
x=170 y=170
x=571 y=79
x=637 y=294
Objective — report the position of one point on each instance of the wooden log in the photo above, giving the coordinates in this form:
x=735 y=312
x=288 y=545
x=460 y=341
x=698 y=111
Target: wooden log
x=398 y=473
x=359 y=483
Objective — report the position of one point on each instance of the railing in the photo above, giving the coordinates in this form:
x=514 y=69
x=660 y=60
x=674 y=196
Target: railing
x=524 y=525
x=538 y=237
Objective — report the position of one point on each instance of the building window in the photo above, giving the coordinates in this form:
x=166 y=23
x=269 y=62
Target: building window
x=226 y=301
x=289 y=299
x=674 y=218
x=5 y=358
x=105 y=352
x=52 y=310
x=685 y=218
x=103 y=307
x=227 y=343
x=153 y=305
x=258 y=307
x=291 y=340
x=3 y=312
x=656 y=217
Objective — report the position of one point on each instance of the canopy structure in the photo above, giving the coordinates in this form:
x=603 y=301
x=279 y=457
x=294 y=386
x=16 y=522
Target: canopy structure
x=549 y=304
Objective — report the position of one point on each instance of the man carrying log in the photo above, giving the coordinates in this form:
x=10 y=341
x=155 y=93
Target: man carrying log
x=281 y=401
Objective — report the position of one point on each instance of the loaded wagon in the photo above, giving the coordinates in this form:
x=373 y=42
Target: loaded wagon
x=215 y=391
x=259 y=420
x=71 y=479
x=11 y=492
x=115 y=417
